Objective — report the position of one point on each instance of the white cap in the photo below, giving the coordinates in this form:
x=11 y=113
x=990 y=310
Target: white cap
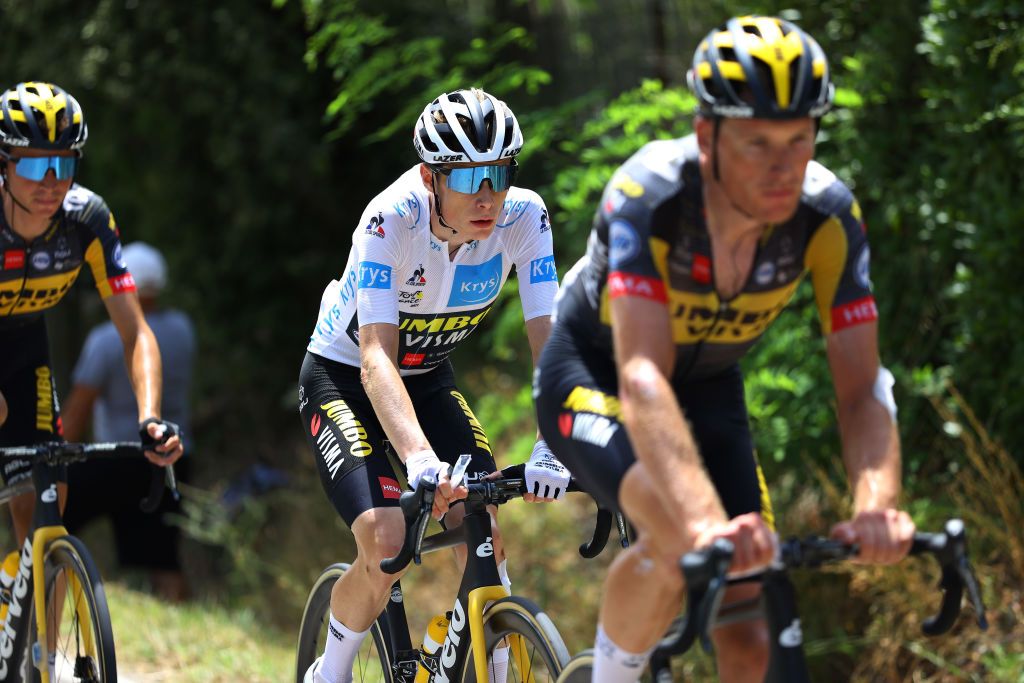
x=147 y=266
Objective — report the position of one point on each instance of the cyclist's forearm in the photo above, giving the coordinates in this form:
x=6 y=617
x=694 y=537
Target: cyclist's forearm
x=144 y=368
x=392 y=404
x=664 y=444
x=871 y=453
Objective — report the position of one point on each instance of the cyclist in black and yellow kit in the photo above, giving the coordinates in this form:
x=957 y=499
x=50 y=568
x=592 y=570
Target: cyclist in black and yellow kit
x=49 y=228
x=697 y=246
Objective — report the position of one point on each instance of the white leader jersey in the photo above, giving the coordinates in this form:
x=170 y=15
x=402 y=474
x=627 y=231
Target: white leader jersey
x=398 y=272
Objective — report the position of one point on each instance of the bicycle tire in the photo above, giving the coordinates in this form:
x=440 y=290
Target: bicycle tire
x=520 y=618
x=84 y=637
x=580 y=668
x=373 y=663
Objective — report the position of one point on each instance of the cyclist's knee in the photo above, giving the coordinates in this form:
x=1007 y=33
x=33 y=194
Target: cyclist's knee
x=379 y=533
x=643 y=564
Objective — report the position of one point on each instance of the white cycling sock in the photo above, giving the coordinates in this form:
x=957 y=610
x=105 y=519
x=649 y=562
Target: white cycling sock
x=612 y=664
x=497 y=672
x=342 y=645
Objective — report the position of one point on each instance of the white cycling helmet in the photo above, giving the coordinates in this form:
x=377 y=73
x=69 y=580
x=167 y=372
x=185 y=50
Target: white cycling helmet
x=147 y=267
x=487 y=130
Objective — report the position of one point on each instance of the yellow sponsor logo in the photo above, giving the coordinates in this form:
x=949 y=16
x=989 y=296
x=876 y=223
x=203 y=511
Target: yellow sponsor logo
x=35 y=294
x=697 y=317
x=44 y=400
x=584 y=400
x=627 y=186
x=478 y=431
x=351 y=429
x=441 y=323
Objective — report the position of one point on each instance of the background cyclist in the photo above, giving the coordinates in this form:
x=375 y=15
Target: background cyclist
x=696 y=247
x=50 y=227
x=427 y=262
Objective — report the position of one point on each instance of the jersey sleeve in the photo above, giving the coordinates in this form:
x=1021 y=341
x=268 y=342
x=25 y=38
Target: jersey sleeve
x=532 y=250
x=624 y=222
x=379 y=244
x=839 y=260
x=103 y=253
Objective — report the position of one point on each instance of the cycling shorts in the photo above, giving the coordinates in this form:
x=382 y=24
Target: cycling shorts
x=26 y=381
x=578 y=414
x=357 y=468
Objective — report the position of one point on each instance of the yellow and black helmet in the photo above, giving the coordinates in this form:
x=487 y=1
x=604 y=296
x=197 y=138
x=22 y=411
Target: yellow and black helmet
x=760 y=67
x=42 y=116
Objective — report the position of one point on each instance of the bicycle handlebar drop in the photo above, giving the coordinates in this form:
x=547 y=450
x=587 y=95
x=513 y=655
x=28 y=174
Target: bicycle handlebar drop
x=705 y=571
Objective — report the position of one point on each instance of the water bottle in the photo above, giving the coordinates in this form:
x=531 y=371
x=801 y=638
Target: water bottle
x=8 y=572
x=432 y=641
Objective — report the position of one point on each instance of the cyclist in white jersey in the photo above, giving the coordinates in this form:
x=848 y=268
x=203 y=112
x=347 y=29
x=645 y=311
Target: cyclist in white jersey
x=428 y=260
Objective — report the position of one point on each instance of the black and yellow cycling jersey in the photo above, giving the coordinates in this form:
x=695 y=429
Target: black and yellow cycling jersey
x=650 y=239
x=35 y=275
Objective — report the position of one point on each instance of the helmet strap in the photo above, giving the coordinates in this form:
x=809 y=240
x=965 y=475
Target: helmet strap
x=437 y=204
x=8 y=192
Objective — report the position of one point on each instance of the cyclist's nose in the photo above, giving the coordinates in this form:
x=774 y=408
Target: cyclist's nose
x=485 y=195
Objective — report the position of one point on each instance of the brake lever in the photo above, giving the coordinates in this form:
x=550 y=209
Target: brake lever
x=423 y=519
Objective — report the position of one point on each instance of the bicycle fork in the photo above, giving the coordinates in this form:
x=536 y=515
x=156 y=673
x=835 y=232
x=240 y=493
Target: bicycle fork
x=480 y=586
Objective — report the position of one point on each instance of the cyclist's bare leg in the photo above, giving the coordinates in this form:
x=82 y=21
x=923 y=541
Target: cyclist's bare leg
x=362 y=592
x=3 y=410
x=644 y=588
x=741 y=649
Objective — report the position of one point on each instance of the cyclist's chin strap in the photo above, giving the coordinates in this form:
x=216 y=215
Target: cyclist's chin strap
x=7 y=188
x=437 y=204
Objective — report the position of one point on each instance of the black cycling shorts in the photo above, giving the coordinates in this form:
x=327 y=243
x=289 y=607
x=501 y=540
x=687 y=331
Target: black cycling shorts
x=113 y=488
x=578 y=414
x=350 y=446
x=26 y=381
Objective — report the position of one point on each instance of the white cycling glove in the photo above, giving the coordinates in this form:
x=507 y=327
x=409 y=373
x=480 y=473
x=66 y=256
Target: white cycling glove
x=545 y=476
x=424 y=464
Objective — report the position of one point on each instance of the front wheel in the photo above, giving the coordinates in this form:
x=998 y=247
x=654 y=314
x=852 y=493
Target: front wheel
x=373 y=663
x=79 y=637
x=536 y=652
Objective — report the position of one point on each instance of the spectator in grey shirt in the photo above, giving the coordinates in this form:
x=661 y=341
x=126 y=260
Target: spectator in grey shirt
x=101 y=390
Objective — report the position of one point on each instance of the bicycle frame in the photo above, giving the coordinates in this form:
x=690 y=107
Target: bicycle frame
x=480 y=585
x=46 y=526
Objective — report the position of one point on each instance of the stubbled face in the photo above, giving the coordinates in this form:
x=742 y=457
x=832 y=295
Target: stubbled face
x=42 y=197
x=473 y=215
x=761 y=163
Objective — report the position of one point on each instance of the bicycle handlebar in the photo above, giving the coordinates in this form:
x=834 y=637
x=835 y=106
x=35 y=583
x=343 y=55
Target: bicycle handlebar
x=56 y=453
x=706 y=570
x=417 y=505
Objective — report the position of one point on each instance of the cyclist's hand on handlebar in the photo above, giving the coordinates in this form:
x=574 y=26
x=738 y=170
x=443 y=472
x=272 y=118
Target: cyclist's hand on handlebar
x=426 y=463
x=754 y=542
x=161 y=440
x=884 y=536
x=546 y=477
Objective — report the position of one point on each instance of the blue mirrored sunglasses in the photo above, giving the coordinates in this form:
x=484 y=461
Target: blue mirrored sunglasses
x=468 y=179
x=35 y=168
